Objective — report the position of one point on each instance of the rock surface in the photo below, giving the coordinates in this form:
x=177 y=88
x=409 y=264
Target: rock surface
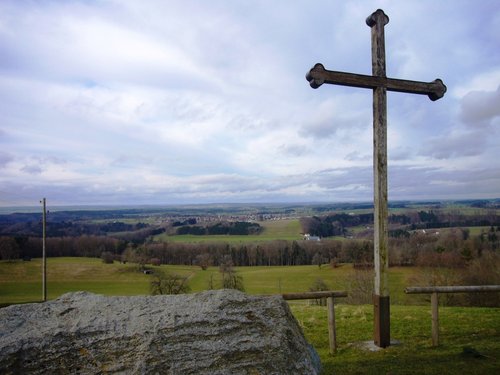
x=213 y=332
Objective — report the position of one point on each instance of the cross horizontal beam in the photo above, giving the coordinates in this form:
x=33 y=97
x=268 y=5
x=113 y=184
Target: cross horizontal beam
x=319 y=75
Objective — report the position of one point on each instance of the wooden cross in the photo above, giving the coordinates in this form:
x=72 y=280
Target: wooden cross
x=379 y=82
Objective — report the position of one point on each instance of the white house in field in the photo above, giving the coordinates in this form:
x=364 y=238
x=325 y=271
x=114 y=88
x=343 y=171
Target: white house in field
x=308 y=237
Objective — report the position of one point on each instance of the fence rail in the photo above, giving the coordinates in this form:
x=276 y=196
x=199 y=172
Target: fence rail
x=435 y=290
x=452 y=289
x=329 y=295
x=315 y=295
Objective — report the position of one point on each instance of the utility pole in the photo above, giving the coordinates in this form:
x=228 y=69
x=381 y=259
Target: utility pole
x=44 y=257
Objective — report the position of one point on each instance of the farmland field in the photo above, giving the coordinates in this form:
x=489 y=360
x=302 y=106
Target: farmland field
x=288 y=229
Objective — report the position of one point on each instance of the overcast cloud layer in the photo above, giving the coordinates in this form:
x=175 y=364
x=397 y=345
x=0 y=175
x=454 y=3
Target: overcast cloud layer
x=160 y=102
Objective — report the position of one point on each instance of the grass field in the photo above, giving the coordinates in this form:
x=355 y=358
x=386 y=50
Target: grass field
x=478 y=328
x=288 y=229
x=475 y=328
x=21 y=281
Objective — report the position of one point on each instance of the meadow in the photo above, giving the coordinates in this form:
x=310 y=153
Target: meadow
x=288 y=229
x=20 y=281
x=470 y=337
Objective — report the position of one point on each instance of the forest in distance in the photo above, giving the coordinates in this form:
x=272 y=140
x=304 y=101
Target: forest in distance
x=345 y=230
x=451 y=243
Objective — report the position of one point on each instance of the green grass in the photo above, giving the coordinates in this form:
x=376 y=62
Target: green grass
x=288 y=229
x=274 y=280
x=476 y=231
x=283 y=229
x=460 y=327
x=21 y=281
x=478 y=328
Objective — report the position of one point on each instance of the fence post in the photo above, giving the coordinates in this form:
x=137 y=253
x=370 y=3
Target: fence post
x=435 y=318
x=332 y=330
x=329 y=295
x=434 y=290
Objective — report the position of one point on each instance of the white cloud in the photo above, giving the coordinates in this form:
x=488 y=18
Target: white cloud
x=5 y=158
x=455 y=145
x=484 y=81
x=189 y=101
x=481 y=107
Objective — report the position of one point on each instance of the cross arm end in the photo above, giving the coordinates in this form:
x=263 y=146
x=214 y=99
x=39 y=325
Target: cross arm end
x=315 y=82
x=439 y=90
x=377 y=16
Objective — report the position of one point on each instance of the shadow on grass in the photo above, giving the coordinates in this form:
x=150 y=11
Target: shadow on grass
x=411 y=360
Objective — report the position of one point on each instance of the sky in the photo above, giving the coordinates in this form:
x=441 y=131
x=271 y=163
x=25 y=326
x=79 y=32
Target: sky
x=177 y=102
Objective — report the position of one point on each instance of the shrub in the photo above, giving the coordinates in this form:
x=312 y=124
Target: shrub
x=318 y=286
x=155 y=261
x=483 y=271
x=439 y=276
x=167 y=283
x=318 y=259
x=230 y=280
x=359 y=285
x=107 y=257
x=438 y=258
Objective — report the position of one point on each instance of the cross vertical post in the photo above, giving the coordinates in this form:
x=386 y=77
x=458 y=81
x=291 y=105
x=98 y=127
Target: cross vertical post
x=381 y=302
x=380 y=84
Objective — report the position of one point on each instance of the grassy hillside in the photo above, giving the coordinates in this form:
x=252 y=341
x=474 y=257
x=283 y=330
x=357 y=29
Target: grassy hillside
x=21 y=281
x=477 y=328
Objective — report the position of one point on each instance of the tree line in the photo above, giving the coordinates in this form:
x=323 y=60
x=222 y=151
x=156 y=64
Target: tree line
x=402 y=224
x=453 y=247
x=20 y=247
x=68 y=228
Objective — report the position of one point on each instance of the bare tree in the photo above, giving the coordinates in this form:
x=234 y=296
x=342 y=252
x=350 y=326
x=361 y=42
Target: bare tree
x=318 y=285
x=318 y=259
x=107 y=257
x=211 y=284
x=167 y=283
x=204 y=260
x=230 y=280
x=360 y=286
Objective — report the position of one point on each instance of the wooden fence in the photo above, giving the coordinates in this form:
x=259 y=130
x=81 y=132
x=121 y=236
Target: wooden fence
x=329 y=295
x=435 y=290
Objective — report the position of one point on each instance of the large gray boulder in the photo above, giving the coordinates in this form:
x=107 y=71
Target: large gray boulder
x=214 y=332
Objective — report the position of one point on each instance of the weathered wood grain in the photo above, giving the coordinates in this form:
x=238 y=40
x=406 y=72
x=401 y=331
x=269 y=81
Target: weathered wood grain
x=380 y=84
